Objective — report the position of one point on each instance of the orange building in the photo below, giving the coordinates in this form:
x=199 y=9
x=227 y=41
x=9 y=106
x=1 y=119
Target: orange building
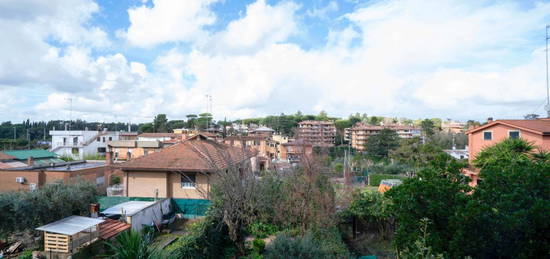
x=296 y=151
x=128 y=149
x=534 y=131
x=32 y=177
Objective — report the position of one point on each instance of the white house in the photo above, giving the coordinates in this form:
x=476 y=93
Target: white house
x=79 y=143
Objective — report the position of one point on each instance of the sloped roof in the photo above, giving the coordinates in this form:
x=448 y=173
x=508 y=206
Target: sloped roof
x=194 y=154
x=70 y=225
x=35 y=153
x=539 y=126
x=159 y=135
x=111 y=228
x=4 y=156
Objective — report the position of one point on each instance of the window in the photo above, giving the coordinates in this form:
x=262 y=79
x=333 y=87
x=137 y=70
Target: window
x=487 y=135
x=103 y=139
x=513 y=133
x=110 y=138
x=98 y=139
x=188 y=181
x=64 y=141
x=101 y=150
x=75 y=141
x=74 y=151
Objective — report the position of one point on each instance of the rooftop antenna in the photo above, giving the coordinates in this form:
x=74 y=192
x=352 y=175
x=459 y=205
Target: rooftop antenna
x=547 y=107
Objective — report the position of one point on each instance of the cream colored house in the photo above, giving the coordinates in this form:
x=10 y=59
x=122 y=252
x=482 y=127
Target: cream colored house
x=185 y=170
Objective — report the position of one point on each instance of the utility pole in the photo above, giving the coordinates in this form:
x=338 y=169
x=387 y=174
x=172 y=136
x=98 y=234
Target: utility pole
x=547 y=107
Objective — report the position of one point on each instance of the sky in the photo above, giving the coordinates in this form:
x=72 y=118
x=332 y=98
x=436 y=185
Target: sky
x=128 y=60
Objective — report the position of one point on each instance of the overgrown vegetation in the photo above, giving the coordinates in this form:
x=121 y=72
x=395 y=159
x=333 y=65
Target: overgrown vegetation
x=23 y=211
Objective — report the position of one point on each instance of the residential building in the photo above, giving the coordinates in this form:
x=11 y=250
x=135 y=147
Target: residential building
x=535 y=131
x=280 y=138
x=266 y=148
x=127 y=136
x=296 y=151
x=80 y=143
x=159 y=136
x=458 y=153
x=184 y=170
x=453 y=127
x=32 y=177
x=361 y=133
x=318 y=133
x=30 y=157
x=263 y=131
x=124 y=150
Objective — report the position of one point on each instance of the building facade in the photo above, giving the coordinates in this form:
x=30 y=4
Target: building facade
x=124 y=150
x=297 y=151
x=80 y=143
x=318 y=133
x=361 y=133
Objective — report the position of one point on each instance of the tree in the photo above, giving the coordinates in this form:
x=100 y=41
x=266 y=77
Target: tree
x=531 y=116
x=374 y=120
x=146 y=127
x=428 y=127
x=323 y=116
x=160 y=123
x=438 y=193
x=413 y=153
x=380 y=145
x=204 y=121
x=507 y=215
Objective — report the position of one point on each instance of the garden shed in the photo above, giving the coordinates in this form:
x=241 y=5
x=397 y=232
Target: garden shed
x=70 y=234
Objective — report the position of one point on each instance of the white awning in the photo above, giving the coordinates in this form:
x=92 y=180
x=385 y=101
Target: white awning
x=71 y=225
x=128 y=208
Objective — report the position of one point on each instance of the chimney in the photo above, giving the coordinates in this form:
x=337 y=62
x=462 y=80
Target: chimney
x=30 y=161
x=490 y=119
x=94 y=210
x=109 y=158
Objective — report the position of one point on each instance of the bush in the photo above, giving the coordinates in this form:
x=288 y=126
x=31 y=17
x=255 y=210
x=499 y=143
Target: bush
x=285 y=246
x=115 y=179
x=20 y=211
x=261 y=230
x=205 y=239
x=389 y=169
x=374 y=179
x=258 y=245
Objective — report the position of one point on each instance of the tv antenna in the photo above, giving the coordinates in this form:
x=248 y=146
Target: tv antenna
x=547 y=107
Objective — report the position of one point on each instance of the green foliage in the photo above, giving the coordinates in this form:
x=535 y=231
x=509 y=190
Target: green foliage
x=413 y=153
x=133 y=245
x=373 y=208
x=115 y=179
x=261 y=230
x=320 y=243
x=146 y=128
x=421 y=249
x=66 y=158
x=93 y=157
x=438 y=192
x=375 y=179
x=20 y=211
x=379 y=146
x=258 y=245
x=382 y=168
x=507 y=215
x=206 y=238
x=27 y=254
x=428 y=127
x=160 y=123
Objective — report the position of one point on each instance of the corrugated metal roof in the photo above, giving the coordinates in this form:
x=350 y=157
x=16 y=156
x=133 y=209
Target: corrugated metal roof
x=35 y=153
x=71 y=225
x=128 y=208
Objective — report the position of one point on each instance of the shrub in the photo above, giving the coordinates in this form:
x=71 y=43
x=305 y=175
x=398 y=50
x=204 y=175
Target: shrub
x=205 y=238
x=374 y=179
x=258 y=245
x=286 y=246
x=20 y=211
x=115 y=179
x=261 y=230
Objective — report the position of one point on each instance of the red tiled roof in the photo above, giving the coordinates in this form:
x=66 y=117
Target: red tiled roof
x=194 y=154
x=4 y=156
x=159 y=135
x=110 y=228
x=540 y=126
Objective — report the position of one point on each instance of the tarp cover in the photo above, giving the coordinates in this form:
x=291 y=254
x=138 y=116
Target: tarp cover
x=70 y=225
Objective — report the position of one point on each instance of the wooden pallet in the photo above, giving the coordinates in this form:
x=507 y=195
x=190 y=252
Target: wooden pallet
x=56 y=242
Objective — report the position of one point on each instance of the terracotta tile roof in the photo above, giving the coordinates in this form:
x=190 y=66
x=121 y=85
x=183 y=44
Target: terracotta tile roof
x=110 y=228
x=4 y=156
x=159 y=135
x=194 y=154
x=540 y=126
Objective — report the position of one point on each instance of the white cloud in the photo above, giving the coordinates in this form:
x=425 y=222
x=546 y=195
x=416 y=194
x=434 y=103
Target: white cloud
x=169 y=21
x=262 y=26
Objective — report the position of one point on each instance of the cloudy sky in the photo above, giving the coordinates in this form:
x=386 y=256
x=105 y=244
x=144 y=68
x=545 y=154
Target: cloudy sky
x=128 y=60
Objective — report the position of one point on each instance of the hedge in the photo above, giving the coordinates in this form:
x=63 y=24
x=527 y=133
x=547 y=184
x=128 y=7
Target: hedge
x=374 y=179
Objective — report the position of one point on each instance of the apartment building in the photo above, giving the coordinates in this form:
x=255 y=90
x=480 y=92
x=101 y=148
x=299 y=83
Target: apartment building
x=361 y=133
x=79 y=143
x=127 y=149
x=318 y=133
x=295 y=152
